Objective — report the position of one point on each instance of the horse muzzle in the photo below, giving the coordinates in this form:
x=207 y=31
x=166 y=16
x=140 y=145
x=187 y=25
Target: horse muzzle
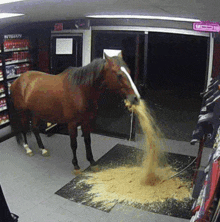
x=133 y=99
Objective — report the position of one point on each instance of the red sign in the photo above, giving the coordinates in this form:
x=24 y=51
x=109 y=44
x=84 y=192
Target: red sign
x=58 y=27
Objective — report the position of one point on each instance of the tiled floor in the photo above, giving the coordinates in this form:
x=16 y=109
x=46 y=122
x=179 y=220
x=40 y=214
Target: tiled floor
x=29 y=183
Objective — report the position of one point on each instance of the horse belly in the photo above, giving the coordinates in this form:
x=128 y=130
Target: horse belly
x=46 y=107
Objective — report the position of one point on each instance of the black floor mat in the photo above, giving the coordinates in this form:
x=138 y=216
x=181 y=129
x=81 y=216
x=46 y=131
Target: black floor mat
x=121 y=155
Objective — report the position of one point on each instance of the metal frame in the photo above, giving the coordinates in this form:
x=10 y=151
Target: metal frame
x=149 y=29
x=210 y=61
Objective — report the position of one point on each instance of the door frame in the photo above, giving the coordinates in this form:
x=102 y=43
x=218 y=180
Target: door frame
x=86 y=44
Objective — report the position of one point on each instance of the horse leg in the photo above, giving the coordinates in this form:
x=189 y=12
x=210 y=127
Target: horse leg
x=35 y=130
x=44 y=151
x=87 y=140
x=25 y=129
x=25 y=145
x=72 y=128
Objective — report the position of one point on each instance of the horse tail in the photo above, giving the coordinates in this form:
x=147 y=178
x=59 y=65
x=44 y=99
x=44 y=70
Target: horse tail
x=19 y=121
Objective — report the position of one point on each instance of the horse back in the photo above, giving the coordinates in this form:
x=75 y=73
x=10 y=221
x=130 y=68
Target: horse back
x=38 y=92
x=50 y=97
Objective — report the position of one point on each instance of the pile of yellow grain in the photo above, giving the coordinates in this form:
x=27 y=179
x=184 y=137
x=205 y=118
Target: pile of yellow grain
x=123 y=184
x=145 y=184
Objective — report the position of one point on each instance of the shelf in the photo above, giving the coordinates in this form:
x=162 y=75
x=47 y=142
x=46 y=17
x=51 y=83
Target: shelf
x=14 y=76
x=15 y=58
x=3 y=108
x=16 y=49
x=16 y=61
x=7 y=121
x=2 y=95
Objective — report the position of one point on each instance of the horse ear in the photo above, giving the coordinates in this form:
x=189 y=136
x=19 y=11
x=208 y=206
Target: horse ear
x=120 y=54
x=108 y=59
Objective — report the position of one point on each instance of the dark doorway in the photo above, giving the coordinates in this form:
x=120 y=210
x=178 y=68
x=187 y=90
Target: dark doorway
x=176 y=62
x=65 y=51
x=176 y=75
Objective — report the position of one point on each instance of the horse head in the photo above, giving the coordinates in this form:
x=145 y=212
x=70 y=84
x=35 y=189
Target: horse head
x=117 y=78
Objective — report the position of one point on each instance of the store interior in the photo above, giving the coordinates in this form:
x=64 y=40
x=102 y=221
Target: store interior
x=171 y=64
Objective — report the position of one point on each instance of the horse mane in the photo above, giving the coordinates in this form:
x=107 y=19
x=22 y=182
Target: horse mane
x=85 y=75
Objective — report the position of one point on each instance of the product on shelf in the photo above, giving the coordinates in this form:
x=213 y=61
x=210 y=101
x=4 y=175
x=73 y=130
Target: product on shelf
x=2 y=88
x=17 y=56
x=2 y=91
x=9 y=59
x=9 y=86
x=16 y=44
x=1 y=74
x=3 y=104
x=15 y=70
x=10 y=71
x=22 y=68
x=20 y=55
x=4 y=118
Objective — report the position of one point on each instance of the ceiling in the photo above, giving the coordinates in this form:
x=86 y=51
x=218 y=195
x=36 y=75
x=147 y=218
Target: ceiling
x=60 y=10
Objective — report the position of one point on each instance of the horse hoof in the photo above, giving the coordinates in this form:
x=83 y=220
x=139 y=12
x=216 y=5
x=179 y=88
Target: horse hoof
x=76 y=172
x=95 y=168
x=30 y=154
x=45 y=153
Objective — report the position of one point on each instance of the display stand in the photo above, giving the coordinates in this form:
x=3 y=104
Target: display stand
x=15 y=59
x=207 y=205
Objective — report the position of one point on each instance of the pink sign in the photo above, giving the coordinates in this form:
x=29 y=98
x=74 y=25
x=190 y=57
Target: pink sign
x=206 y=26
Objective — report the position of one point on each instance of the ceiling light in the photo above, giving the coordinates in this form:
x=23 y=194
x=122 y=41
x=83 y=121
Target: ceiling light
x=9 y=1
x=144 y=17
x=9 y=15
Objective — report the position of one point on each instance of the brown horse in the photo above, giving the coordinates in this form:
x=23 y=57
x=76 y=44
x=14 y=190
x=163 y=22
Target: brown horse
x=69 y=97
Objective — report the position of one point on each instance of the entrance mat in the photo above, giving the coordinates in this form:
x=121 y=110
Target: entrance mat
x=120 y=155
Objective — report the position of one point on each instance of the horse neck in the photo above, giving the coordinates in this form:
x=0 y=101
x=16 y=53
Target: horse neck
x=99 y=83
x=94 y=91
